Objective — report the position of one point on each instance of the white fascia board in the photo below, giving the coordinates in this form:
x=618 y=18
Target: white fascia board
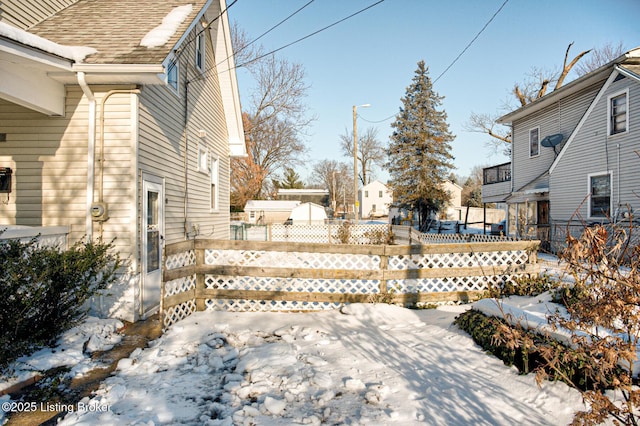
x=584 y=118
x=117 y=68
x=31 y=88
x=20 y=53
x=628 y=73
x=223 y=52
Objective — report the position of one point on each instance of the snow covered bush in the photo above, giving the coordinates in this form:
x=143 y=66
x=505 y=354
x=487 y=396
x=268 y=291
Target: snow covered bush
x=526 y=350
x=43 y=290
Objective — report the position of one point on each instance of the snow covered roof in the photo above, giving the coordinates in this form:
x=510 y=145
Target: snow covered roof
x=75 y=53
x=116 y=28
x=271 y=205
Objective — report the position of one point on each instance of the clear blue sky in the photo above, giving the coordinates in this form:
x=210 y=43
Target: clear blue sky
x=371 y=58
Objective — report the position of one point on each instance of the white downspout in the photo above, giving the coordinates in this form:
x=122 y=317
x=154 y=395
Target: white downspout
x=91 y=151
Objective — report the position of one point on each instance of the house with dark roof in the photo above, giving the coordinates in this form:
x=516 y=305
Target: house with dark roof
x=575 y=155
x=117 y=120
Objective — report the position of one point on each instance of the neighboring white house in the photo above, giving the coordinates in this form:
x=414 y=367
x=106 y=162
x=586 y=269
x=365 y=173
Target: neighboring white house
x=269 y=211
x=455 y=200
x=375 y=199
x=308 y=214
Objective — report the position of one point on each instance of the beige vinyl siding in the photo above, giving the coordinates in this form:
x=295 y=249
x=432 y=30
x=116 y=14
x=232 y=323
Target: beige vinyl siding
x=593 y=151
x=561 y=117
x=49 y=159
x=25 y=13
x=48 y=156
x=162 y=146
x=119 y=176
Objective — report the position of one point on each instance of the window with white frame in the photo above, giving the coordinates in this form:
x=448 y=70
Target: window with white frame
x=173 y=73
x=214 y=182
x=600 y=195
x=203 y=159
x=618 y=113
x=200 y=51
x=534 y=142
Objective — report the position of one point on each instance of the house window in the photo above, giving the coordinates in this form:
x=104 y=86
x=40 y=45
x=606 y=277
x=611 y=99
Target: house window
x=600 y=199
x=379 y=194
x=200 y=45
x=214 y=183
x=534 y=142
x=173 y=74
x=203 y=164
x=618 y=117
x=366 y=194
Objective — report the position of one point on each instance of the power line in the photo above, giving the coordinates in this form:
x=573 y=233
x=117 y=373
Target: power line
x=377 y=121
x=457 y=57
x=270 y=29
x=472 y=41
x=178 y=53
x=310 y=35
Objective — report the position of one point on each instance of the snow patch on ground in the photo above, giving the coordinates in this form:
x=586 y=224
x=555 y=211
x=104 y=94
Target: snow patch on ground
x=72 y=349
x=363 y=364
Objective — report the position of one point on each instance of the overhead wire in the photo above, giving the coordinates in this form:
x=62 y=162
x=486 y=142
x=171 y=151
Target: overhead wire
x=267 y=32
x=310 y=35
x=472 y=41
x=457 y=57
x=296 y=41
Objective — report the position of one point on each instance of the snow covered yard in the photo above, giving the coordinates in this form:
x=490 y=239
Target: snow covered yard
x=364 y=364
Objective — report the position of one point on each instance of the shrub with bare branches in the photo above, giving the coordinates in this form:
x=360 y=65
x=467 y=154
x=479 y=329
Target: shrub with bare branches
x=604 y=316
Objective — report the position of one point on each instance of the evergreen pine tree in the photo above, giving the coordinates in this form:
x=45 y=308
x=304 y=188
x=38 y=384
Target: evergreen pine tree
x=419 y=151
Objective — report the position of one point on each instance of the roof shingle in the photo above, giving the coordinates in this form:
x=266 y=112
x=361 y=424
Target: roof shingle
x=115 y=28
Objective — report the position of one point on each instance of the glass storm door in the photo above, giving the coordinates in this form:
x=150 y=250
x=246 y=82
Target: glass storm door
x=152 y=238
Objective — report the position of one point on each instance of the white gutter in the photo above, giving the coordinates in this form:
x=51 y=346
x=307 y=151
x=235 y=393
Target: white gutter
x=91 y=151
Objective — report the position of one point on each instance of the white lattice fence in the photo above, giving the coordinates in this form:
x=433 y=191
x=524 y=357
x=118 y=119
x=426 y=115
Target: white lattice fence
x=264 y=276
x=178 y=294
x=328 y=234
x=459 y=238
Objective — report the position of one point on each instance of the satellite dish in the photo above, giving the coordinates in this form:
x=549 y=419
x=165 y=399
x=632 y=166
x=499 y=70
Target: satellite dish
x=552 y=141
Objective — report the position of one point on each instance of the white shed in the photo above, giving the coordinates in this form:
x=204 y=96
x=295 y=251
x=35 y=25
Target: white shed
x=307 y=214
x=269 y=211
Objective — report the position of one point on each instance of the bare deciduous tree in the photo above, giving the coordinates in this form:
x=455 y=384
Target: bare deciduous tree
x=598 y=58
x=370 y=152
x=276 y=115
x=535 y=86
x=338 y=178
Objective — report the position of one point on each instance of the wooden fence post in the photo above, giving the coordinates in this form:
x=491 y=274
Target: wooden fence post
x=384 y=265
x=200 y=286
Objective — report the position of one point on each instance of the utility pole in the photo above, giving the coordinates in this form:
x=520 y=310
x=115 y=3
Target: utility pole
x=356 y=203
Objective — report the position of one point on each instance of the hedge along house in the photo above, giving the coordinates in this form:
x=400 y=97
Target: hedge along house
x=127 y=137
